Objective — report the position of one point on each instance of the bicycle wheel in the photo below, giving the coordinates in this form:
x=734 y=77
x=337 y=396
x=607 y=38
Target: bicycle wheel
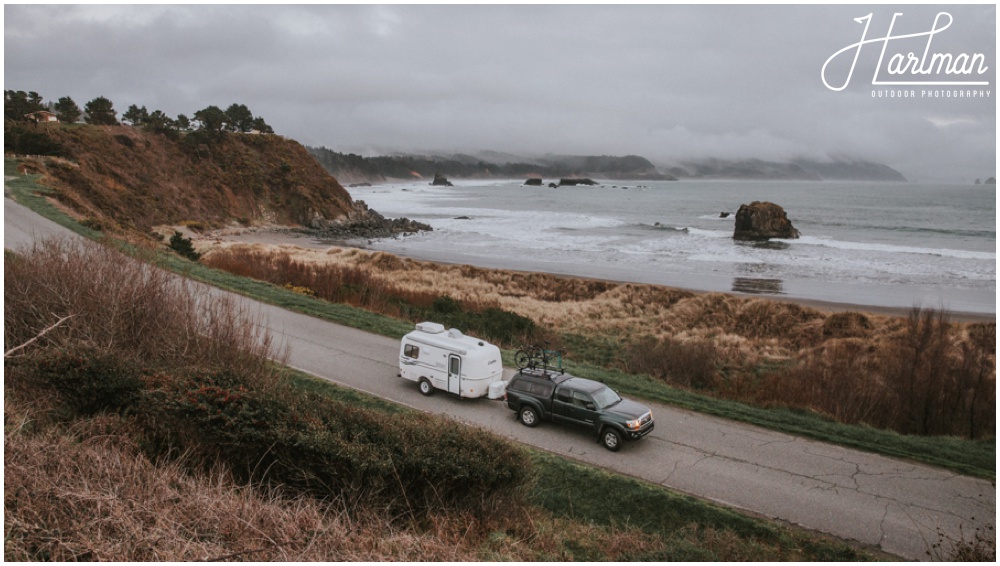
x=522 y=359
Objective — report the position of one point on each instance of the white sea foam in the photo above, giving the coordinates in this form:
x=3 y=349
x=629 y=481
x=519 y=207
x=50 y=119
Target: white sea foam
x=898 y=246
x=890 y=248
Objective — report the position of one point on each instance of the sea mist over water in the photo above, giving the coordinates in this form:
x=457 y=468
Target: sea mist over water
x=875 y=244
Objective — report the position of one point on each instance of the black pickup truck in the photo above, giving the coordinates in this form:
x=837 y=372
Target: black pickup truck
x=542 y=395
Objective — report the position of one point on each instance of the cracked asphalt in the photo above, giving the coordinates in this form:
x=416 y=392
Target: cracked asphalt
x=900 y=507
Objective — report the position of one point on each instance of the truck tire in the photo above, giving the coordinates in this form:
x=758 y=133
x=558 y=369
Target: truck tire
x=425 y=386
x=528 y=416
x=611 y=439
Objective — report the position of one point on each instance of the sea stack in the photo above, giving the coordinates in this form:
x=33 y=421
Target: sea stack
x=763 y=221
x=441 y=181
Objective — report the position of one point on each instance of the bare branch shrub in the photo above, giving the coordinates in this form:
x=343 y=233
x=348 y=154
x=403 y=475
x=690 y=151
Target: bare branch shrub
x=929 y=378
x=839 y=379
x=117 y=304
x=685 y=363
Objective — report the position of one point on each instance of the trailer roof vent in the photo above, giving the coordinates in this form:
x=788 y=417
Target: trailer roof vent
x=455 y=333
x=430 y=327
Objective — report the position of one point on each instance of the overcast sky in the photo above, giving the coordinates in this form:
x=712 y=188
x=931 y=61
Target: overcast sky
x=668 y=82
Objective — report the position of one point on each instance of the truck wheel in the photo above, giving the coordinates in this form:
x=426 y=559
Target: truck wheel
x=611 y=439
x=528 y=416
x=425 y=386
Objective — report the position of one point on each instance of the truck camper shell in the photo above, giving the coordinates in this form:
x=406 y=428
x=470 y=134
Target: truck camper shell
x=436 y=358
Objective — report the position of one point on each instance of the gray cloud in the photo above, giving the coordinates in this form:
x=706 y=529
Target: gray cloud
x=667 y=82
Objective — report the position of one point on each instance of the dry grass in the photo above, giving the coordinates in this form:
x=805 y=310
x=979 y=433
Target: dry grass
x=747 y=329
x=86 y=491
x=920 y=374
x=137 y=311
x=95 y=485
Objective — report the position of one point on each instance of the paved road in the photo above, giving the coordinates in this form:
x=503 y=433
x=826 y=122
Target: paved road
x=895 y=505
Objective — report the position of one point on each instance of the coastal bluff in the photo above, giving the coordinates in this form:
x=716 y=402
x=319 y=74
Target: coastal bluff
x=123 y=179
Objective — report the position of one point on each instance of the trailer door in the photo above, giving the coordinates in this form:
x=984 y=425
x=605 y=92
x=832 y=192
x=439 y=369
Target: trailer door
x=454 y=374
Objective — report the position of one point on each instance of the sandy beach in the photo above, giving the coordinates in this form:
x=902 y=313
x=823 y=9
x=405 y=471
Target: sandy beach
x=288 y=240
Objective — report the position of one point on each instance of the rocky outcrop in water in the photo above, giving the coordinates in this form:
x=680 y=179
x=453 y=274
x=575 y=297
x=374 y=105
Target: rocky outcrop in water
x=761 y=220
x=441 y=181
x=364 y=223
x=572 y=181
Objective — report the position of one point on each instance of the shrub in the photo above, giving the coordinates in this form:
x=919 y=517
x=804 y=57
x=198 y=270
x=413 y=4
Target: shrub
x=183 y=246
x=120 y=306
x=125 y=141
x=689 y=363
x=357 y=286
x=928 y=379
x=24 y=141
x=86 y=380
x=445 y=305
x=93 y=223
x=491 y=323
x=410 y=463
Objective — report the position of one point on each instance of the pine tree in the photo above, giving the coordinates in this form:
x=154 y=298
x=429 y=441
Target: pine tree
x=183 y=246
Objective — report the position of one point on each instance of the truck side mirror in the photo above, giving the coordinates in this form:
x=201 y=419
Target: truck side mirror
x=590 y=406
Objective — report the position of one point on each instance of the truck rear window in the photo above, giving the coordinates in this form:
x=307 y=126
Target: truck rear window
x=542 y=389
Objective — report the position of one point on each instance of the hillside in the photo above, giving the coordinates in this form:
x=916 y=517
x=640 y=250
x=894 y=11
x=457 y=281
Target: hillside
x=354 y=168
x=125 y=178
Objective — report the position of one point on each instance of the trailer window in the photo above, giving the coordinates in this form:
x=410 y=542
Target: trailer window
x=411 y=351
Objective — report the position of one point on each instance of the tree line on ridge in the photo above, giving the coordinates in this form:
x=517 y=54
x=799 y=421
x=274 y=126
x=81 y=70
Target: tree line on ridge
x=21 y=106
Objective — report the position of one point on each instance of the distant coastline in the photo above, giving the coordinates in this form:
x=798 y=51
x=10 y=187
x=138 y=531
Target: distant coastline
x=351 y=168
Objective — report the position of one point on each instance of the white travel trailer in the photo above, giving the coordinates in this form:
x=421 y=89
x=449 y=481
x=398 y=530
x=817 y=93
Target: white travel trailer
x=452 y=361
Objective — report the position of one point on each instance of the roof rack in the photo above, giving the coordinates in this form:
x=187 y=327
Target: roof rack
x=546 y=372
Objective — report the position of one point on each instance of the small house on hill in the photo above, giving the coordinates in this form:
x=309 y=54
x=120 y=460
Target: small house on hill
x=41 y=116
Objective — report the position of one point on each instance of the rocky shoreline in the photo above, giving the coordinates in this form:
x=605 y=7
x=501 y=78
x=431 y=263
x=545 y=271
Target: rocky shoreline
x=364 y=223
x=361 y=223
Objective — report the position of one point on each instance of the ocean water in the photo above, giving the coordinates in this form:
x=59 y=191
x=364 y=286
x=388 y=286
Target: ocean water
x=869 y=244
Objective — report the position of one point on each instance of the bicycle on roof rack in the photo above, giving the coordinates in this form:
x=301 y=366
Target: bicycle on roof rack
x=539 y=358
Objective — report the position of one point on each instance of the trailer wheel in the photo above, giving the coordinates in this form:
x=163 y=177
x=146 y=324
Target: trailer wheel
x=425 y=386
x=528 y=416
x=611 y=439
